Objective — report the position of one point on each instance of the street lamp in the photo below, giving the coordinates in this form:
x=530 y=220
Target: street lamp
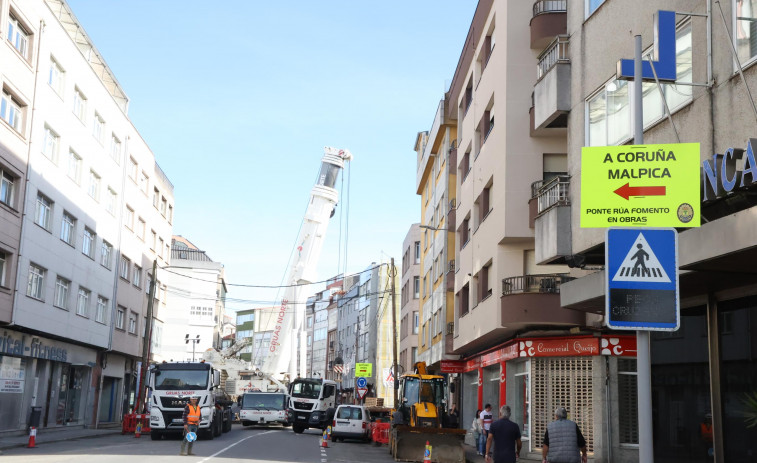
x=429 y=227
x=194 y=341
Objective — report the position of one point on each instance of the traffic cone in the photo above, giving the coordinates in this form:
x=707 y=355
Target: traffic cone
x=138 y=430
x=427 y=453
x=325 y=440
x=32 y=437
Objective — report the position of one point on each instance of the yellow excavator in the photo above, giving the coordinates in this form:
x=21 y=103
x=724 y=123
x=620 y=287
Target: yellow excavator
x=420 y=418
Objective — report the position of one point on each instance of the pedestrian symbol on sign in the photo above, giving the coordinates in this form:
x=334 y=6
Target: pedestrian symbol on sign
x=641 y=265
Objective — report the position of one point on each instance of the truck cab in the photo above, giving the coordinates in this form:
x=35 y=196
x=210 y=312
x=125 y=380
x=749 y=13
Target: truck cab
x=264 y=408
x=172 y=384
x=312 y=403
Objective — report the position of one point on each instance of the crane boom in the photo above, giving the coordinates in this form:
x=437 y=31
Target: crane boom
x=282 y=358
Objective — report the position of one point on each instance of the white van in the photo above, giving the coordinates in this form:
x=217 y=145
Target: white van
x=264 y=408
x=351 y=422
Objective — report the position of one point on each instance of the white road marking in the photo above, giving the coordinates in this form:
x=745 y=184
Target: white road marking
x=232 y=445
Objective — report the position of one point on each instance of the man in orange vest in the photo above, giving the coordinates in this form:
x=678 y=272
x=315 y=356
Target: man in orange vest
x=191 y=423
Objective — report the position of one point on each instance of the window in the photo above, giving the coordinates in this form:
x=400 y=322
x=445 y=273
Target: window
x=144 y=182
x=627 y=401
x=203 y=313
x=484 y=205
x=80 y=104
x=11 y=111
x=467 y=97
x=62 y=288
x=141 y=228
x=105 y=251
x=115 y=149
x=3 y=263
x=82 y=302
x=124 y=268
x=154 y=240
x=416 y=320
x=68 y=228
x=36 y=281
x=88 y=243
x=159 y=250
x=74 y=167
x=129 y=218
x=485 y=126
x=155 y=197
x=417 y=252
x=110 y=203
x=94 y=185
x=463 y=299
x=98 y=126
x=132 y=323
x=592 y=5
x=484 y=285
x=133 y=169
x=464 y=232
x=170 y=214
x=18 y=36
x=7 y=188
x=608 y=112
x=416 y=287
x=50 y=144
x=464 y=169
x=120 y=311
x=102 y=304
x=136 y=277
x=163 y=205
x=43 y=212
x=55 y=76
x=746 y=30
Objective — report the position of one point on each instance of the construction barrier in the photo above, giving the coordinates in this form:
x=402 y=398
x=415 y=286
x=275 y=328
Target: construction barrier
x=129 y=425
x=380 y=432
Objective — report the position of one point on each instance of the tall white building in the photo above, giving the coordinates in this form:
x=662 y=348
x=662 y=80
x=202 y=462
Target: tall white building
x=195 y=303
x=94 y=211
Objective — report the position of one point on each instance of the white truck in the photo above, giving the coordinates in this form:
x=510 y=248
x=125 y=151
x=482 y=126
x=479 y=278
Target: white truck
x=312 y=403
x=171 y=385
x=264 y=408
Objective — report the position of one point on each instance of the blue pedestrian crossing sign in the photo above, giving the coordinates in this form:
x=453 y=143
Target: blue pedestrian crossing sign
x=641 y=291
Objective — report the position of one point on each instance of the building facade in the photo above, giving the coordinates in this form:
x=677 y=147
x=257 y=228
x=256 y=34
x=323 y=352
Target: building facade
x=78 y=185
x=410 y=290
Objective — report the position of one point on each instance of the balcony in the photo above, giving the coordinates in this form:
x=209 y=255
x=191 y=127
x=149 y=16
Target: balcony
x=530 y=300
x=551 y=97
x=552 y=223
x=550 y=19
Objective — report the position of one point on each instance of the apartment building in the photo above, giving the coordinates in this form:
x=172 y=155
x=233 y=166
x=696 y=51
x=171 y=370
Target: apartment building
x=195 y=303
x=436 y=184
x=410 y=291
x=245 y=329
x=705 y=370
x=387 y=335
x=72 y=265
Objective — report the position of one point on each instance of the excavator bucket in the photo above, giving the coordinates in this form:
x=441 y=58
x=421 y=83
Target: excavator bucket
x=408 y=444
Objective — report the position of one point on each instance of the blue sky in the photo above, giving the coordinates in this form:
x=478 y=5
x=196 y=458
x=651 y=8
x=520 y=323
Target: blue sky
x=237 y=99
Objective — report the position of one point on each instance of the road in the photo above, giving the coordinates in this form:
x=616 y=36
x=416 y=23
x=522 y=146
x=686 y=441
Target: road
x=249 y=445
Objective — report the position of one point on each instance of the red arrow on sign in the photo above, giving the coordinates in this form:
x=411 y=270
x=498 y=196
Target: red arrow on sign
x=627 y=191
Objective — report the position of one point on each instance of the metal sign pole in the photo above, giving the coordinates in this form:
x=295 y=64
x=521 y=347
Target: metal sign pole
x=643 y=358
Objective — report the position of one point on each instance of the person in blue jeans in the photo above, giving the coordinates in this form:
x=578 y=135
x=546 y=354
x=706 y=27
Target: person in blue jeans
x=485 y=419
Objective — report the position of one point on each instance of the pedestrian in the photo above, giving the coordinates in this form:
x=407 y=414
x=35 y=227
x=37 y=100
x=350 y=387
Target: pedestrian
x=191 y=419
x=453 y=419
x=475 y=429
x=505 y=436
x=563 y=440
x=486 y=418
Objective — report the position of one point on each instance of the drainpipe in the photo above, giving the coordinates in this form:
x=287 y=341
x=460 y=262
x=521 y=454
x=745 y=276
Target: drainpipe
x=28 y=170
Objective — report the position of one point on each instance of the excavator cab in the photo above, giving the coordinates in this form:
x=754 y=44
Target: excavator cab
x=423 y=403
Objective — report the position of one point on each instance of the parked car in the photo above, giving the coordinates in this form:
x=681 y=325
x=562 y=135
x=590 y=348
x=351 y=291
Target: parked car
x=351 y=422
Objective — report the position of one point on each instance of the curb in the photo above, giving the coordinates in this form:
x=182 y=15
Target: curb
x=58 y=439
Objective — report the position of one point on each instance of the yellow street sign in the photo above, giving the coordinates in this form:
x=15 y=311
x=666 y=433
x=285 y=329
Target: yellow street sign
x=647 y=186
x=363 y=370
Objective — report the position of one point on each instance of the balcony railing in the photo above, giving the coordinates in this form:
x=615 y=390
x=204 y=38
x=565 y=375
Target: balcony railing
x=547 y=284
x=556 y=52
x=554 y=193
x=550 y=6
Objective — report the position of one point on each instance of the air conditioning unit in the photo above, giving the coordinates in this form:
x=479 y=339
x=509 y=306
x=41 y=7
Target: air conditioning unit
x=450 y=328
x=451 y=265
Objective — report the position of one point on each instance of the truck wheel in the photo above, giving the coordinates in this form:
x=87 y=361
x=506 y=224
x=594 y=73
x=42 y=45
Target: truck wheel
x=297 y=429
x=217 y=425
x=227 y=425
x=209 y=434
x=156 y=435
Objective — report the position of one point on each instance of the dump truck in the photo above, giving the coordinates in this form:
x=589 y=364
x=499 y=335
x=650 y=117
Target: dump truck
x=419 y=419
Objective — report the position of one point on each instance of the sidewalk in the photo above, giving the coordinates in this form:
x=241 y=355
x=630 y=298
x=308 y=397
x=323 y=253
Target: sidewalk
x=472 y=456
x=46 y=436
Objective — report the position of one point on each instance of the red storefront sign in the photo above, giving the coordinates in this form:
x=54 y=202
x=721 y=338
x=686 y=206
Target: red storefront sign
x=452 y=366
x=618 y=346
x=500 y=355
x=559 y=347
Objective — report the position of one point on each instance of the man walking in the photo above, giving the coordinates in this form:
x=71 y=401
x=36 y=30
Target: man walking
x=485 y=420
x=505 y=436
x=563 y=440
x=191 y=422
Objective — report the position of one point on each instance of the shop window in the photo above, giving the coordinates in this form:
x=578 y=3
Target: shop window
x=69 y=410
x=12 y=374
x=628 y=401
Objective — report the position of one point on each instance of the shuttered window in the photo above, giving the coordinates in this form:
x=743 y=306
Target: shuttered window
x=562 y=382
x=628 y=401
